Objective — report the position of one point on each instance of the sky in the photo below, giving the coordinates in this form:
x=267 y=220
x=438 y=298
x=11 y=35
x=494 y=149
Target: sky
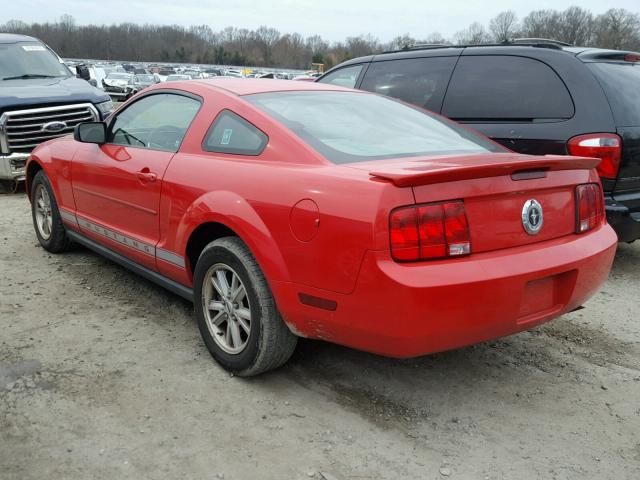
x=332 y=19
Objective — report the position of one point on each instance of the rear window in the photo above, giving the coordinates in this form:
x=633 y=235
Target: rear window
x=505 y=88
x=421 y=81
x=621 y=84
x=351 y=127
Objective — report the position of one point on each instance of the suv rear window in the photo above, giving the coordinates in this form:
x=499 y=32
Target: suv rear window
x=506 y=88
x=621 y=83
x=421 y=81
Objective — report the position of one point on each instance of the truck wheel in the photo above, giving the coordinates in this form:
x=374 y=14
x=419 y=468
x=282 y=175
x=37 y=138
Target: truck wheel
x=46 y=216
x=236 y=312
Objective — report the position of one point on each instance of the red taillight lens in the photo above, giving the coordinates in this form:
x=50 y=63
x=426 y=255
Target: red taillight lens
x=606 y=146
x=429 y=231
x=404 y=234
x=589 y=207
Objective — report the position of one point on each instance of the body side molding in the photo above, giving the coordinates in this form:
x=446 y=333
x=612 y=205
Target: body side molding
x=183 y=291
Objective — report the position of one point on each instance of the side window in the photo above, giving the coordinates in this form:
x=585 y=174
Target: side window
x=345 y=77
x=506 y=88
x=420 y=81
x=157 y=122
x=231 y=133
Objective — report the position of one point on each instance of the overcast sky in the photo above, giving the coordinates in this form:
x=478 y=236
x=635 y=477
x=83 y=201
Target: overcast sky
x=332 y=19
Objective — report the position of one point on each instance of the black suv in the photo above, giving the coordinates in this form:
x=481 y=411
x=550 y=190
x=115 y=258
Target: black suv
x=539 y=97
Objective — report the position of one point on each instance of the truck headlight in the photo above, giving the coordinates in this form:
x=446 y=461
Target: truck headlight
x=105 y=108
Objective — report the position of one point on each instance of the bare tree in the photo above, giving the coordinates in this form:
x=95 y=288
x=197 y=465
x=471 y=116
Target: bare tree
x=400 y=42
x=542 y=24
x=618 y=29
x=474 y=35
x=435 y=38
x=576 y=26
x=362 y=45
x=504 y=26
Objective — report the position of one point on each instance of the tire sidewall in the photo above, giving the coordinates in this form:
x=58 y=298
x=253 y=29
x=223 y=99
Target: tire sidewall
x=41 y=179
x=245 y=359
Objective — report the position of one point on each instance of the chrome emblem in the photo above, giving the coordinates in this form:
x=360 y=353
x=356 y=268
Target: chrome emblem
x=54 y=126
x=532 y=217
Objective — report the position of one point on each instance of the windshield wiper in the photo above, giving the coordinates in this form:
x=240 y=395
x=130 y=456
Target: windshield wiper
x=28 y=76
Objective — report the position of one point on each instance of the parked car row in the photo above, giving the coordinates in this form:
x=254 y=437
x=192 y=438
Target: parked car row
x=534 y=96
x=122 y=86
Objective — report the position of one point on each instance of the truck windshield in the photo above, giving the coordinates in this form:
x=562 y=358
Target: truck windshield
x=354 y=127
x=26 y=60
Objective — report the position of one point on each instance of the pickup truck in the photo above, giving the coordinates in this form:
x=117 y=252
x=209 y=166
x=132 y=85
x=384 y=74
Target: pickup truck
x=40 y=99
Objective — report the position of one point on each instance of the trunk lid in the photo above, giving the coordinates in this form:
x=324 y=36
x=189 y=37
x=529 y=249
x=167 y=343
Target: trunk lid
x=495 y=189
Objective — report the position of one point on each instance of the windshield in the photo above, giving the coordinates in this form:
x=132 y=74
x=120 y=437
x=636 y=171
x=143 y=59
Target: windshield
x=621 y=82
x=351 y=127
x=145 y=78
x=25 y=60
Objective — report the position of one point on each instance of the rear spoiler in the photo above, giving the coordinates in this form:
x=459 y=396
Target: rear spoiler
x=448 y=170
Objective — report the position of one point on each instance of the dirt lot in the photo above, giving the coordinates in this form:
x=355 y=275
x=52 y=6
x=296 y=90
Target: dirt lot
x=104 y=375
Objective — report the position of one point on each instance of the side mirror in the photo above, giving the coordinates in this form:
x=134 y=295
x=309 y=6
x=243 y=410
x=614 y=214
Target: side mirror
x=91 y=132
x=93 y=82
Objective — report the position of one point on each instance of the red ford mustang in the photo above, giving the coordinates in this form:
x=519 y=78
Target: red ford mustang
x=286 y=209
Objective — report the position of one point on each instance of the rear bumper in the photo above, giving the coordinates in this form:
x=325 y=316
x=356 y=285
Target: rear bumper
x=407 y=310
x=12 y=166
x=623 y=214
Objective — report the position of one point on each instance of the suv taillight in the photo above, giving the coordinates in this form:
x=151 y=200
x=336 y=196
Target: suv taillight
x=606 y=146
x=589 y=207
x=423 y=232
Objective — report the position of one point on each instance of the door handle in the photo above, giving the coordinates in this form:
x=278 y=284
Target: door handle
x=145 y=175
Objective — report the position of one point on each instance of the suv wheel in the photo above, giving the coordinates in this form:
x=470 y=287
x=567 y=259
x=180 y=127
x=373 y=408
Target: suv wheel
x=236 y=311
x=46 y=216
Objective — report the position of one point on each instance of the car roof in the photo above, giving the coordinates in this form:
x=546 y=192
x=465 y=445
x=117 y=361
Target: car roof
x=15 y=38
x=249 y=86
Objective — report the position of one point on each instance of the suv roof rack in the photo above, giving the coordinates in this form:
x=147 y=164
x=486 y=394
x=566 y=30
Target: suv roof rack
x=419 y=46
x=516 y=42
x=539 y=41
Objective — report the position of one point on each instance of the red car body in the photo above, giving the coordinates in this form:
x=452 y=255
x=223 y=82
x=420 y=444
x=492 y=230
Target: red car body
x=321 y=233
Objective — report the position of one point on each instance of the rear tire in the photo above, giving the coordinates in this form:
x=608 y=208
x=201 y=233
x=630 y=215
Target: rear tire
x=46 y=216
x=236 y=312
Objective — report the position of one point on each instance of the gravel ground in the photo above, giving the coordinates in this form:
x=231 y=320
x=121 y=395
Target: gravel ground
x=104 y=375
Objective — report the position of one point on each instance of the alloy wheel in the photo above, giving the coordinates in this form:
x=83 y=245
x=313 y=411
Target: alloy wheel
x=227 y=309
x=44 y=216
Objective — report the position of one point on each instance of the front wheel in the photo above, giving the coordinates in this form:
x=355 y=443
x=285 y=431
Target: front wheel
x=236 y=312
x=46 y=216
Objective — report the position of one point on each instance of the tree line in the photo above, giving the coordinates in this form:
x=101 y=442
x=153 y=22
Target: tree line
x=265 y=46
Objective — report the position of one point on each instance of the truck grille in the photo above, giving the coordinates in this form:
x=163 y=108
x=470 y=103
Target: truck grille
x=22 y=130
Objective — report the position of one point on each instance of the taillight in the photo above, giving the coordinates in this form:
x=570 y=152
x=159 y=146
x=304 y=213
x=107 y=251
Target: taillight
x=589 y=207
x=605 y=146
x=429 y=231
